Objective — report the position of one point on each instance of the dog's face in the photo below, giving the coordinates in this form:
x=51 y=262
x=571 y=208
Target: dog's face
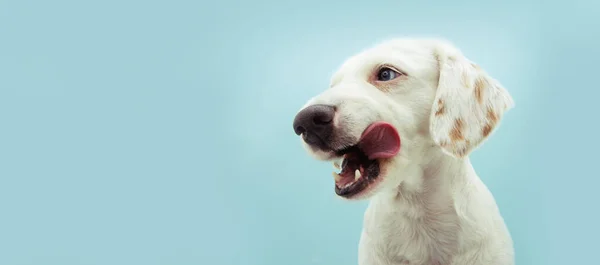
x=387 y=106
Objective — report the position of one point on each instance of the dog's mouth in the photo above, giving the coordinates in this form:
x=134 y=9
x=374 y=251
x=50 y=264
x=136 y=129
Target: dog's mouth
x=357 y=172
x=360 y=163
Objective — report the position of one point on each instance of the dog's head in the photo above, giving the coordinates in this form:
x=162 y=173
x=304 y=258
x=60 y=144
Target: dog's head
x=389 y=105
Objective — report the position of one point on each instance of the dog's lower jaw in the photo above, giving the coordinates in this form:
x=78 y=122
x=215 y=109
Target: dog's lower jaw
x=444 y=216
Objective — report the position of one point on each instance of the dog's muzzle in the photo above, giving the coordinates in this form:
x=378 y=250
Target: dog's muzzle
x=360 y=159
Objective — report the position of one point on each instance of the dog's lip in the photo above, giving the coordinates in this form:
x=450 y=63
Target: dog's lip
x=378 y=140
x=339 y=153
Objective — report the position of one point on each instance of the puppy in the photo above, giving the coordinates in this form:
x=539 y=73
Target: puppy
x=398 y=121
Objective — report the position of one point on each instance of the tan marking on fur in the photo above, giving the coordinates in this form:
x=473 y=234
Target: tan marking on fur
x=476 y=66
x=492 y=116
x=456 y=134
x=441 y=108
x=479 y=85
x=485 y=131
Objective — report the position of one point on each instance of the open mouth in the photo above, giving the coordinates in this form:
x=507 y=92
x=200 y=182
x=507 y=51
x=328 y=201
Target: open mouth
x=360 y=163
x=357 y=172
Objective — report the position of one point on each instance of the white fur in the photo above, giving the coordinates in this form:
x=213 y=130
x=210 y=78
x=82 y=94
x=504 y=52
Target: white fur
x=430 y=207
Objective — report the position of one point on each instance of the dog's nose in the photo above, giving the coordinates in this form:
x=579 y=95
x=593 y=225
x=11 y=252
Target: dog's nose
x=315 y=123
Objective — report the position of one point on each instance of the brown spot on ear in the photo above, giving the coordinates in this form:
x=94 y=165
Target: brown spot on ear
x=441 y=109
x=492 y=116
x=486 y=130
x=479 y=86
x=456 y=133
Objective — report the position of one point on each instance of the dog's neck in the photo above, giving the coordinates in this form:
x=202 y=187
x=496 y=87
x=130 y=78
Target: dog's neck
x=429 y=187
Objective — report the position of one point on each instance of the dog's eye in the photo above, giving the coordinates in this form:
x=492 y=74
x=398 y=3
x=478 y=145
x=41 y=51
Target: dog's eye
x=387 y=74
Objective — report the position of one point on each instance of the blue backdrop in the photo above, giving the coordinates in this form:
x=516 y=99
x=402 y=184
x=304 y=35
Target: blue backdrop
x=159 y=132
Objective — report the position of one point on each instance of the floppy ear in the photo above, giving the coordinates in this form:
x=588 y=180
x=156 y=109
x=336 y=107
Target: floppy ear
x=468 y=105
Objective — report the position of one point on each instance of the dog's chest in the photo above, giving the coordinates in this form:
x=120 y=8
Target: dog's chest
x=393 y=237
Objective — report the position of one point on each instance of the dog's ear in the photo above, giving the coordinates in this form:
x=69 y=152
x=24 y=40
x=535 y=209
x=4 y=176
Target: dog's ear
x=468 y=104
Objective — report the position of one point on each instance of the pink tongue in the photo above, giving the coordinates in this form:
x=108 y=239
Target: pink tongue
x=380 y=140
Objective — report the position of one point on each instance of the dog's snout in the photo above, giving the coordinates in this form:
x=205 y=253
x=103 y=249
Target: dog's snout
x=315 y=123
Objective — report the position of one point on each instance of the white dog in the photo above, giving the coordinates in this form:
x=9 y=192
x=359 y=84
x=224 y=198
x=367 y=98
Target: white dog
x=399 y=121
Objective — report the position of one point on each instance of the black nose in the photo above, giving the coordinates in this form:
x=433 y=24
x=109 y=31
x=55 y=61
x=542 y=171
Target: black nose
x=315 y=123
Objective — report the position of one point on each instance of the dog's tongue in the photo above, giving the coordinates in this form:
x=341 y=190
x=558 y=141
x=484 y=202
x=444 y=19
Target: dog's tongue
x=380 y=140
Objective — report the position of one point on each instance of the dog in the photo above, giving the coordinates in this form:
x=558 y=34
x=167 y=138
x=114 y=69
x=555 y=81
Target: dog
x=398 y=122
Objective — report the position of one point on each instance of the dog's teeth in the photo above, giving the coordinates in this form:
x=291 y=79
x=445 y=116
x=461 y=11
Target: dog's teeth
x=356 y=175
x=336 y=176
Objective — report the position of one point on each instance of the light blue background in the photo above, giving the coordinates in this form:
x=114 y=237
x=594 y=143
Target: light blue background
x=159 y=132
